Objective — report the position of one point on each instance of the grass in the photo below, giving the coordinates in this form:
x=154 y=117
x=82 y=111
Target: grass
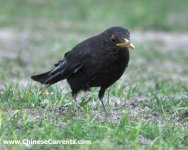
x=147 y=107
x=138 y=14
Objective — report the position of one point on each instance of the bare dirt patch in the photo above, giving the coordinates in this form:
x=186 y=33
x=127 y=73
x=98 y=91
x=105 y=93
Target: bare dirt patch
x=171 y=40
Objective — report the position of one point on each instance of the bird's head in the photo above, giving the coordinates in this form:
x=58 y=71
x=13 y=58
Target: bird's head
x=118 y=37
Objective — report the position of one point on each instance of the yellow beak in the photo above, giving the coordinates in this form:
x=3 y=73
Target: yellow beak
x=126 y=43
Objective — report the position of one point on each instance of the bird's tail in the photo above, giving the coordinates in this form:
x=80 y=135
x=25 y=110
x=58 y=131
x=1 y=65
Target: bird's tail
x=41 y=77
x=60 y=72
x=47 y=78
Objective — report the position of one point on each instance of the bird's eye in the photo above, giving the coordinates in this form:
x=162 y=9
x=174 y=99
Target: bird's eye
x=113 y=38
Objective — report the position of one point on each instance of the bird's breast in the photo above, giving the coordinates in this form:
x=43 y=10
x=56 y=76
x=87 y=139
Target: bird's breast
x=109 y=68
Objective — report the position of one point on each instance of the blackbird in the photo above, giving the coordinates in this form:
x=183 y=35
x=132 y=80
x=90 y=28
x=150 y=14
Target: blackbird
x=96 y=62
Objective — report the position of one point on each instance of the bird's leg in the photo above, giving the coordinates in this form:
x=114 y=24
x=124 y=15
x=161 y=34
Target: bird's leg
x=75 y=104
x=101 y=95
x=103 y=105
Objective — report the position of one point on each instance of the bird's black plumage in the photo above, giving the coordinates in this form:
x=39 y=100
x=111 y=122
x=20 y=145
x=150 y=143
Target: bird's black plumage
x=96 y=62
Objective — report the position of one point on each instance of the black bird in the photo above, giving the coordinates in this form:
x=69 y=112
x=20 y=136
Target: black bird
x=96 y=62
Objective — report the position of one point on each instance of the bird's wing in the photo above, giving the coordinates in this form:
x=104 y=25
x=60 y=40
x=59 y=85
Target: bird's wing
x=69 y=65
x=62 y=71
